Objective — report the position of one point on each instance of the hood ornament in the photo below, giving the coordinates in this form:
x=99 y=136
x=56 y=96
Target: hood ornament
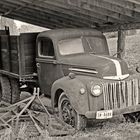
x=118 y=77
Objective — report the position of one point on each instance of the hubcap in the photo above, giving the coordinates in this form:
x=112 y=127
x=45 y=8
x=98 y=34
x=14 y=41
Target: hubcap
x=68 y=114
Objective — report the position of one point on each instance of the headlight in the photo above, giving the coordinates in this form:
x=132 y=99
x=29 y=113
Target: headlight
x=96 y=90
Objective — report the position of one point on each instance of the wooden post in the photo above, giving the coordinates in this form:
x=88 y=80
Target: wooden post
x=121 y=44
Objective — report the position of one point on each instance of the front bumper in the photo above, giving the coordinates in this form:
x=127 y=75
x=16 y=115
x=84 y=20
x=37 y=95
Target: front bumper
x=119 y=111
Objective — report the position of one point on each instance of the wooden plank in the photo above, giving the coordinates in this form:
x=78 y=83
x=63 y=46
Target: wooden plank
x=110 y=15
x=75 y=11
x=28 y=40
x=121 y=44
x=2 y=32
x=11 y=74
x=49 y=11
x=0 y=55
x=129 y=4
x=89 y=13
x=21 y=54
x=14 y=54
x=35 y=21
x=37 y=13
x=122 y=10
x=62 y=9
x=128 y=26
x=103 y=6
x=5 y=53
x=37 y=17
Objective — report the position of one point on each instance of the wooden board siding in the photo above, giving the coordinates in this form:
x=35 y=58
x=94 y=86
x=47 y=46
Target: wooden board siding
x=14 y=60
x=18 y=54
x=2 y=32
x=5 y=53
x=105 y=15
x=28 y=53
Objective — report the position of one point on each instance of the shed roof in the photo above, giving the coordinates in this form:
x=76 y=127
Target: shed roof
x=105 y=15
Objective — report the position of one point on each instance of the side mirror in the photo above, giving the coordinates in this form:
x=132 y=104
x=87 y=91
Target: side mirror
x=120 y=51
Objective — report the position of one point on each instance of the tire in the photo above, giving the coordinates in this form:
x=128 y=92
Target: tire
x=69 y=115
x=5 y=89
x=15 y=90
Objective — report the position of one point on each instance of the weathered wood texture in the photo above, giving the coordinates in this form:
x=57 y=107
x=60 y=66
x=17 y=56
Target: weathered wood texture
x=5 y=52
x=106 y=15
x=18 y=54
x=27 y=53
x=121 y=44
x=2 y=32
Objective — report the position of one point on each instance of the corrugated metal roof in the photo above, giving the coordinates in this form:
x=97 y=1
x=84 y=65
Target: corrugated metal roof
x=106 y=15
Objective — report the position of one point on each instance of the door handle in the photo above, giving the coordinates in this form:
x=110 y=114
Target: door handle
x=38 y=65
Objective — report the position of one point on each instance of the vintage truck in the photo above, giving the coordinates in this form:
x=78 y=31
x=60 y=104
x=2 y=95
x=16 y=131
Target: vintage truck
x=73 y=68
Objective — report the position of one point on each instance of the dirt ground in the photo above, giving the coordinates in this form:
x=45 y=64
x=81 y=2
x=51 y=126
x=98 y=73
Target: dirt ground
x=115 y=128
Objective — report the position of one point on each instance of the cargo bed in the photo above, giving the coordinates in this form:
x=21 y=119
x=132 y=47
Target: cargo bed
x=17 y=56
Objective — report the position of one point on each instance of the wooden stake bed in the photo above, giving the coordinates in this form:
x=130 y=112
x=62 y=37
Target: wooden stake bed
x=17 y=56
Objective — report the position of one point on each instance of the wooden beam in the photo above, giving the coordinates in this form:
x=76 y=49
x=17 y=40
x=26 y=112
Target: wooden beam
x=34 y=20
x=64 y=10
x=83 y=13
x=42 y=18
x=105 y=4
x=121 y=44
x=50 y=13
x=128 y=4
x=95 y=14
x=106 y=12
x=135 y=4
x=128 y=26
x=56 y=20
x=73 y=15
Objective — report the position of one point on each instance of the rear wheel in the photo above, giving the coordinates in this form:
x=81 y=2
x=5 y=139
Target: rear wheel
x=69 y=115
x=15 y=90
x=5 y=89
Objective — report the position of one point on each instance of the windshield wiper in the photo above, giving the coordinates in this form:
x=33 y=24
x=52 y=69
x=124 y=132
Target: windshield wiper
x=92 y=51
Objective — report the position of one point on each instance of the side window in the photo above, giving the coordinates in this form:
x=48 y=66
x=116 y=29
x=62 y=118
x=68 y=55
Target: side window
x=45 y=47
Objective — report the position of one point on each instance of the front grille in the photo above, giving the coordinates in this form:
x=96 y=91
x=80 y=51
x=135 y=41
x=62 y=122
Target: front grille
x=120 y=94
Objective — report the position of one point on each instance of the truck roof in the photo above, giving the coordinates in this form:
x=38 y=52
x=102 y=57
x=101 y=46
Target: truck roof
x=60 y=34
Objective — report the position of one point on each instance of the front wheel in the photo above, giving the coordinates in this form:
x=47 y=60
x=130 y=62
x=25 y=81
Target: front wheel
x=69 y=115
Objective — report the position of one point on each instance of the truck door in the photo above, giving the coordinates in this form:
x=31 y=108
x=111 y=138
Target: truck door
x=48 y=70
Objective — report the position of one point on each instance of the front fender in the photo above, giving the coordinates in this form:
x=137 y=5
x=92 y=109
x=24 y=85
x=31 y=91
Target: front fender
x=72 y=87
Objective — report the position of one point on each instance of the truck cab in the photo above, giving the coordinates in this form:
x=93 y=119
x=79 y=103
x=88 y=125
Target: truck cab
x=83 y=81
x=58 y=54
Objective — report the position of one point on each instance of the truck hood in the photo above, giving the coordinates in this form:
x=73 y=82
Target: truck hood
x=102 y=66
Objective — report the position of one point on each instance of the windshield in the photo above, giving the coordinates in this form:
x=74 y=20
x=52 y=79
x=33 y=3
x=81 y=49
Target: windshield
x=96 y=45
x=71 y=46
x=84 y=44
